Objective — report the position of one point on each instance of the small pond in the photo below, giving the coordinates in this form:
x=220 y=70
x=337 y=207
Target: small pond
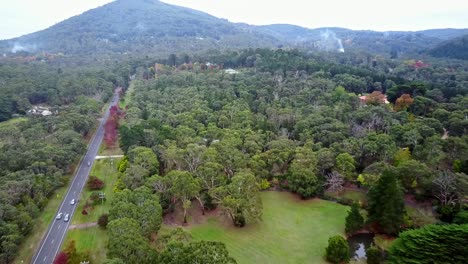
x=358 y=244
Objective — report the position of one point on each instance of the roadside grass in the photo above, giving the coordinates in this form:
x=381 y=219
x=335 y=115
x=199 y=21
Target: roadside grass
x=126 y=99
x=292 y=230
x=107 y=172
x=104 y=151
x=31 y=243
x=92 y=240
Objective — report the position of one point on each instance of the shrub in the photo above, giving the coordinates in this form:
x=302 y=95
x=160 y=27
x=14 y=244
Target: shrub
x=337 y=250
x=84 y=212
x=373 y=254
x=94 y=183
x=103 y=220
x=61 y=258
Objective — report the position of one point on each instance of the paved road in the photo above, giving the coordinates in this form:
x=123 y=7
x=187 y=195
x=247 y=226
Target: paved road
x=53 y=239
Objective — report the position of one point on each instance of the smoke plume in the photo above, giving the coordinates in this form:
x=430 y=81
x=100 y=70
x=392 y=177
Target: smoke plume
x=329 y=42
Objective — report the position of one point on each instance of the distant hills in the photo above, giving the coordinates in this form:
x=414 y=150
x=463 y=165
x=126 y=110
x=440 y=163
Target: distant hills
x=455 y=48
x=151 y=26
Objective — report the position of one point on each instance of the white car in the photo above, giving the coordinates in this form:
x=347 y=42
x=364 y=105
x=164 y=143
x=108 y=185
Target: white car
x=59 y=216
x=66 y=218
x=72 y=202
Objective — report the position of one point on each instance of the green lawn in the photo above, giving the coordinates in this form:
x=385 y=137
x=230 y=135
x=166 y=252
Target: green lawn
x=292 y=231
x=107 y=172
x=92 y=240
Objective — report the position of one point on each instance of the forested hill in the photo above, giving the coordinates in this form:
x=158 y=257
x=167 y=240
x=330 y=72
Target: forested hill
x=389 y=42
x=151 y=26
x=455 y=48
x=139 y=26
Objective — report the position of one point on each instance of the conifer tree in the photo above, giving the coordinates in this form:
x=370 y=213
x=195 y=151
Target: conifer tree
x=354 y=220
x=386 y=204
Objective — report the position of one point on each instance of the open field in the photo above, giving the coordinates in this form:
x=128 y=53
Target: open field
x=292 y=231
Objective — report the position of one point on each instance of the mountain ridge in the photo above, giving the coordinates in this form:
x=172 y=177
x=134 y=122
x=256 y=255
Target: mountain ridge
x=133 y=26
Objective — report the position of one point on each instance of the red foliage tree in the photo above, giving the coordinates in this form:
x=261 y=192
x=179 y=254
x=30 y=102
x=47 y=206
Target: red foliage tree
x=94 y=183
x=61 y=258
x=84 y=212
x=111 y=126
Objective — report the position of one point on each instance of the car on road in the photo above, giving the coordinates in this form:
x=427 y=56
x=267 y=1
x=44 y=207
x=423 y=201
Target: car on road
x=72 y=202
x=89 y=163
x=59 y=216
x=66 y=218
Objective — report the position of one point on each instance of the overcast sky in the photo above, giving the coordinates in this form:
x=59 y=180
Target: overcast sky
x=19 y=17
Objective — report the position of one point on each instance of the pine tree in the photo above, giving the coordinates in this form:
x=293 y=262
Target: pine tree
x=354 y=220
x=386 y=204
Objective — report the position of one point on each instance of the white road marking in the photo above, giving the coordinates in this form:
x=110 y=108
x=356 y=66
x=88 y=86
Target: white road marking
x=45 y=258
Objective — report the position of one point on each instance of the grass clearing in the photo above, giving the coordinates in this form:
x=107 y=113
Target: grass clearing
x=92 y=240
x=292 y=231
x=106 y=170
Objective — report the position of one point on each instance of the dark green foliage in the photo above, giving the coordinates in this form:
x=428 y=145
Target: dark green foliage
x=139 y=205
x=461 y=217
x=337 y=250
x=373 y=255
x=354 y=220
x=206 y=252
x=386 y=205
x=444 y=244
x=126 y=241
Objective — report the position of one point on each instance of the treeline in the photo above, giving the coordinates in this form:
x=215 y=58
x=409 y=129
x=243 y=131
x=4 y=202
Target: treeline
x=37 y=152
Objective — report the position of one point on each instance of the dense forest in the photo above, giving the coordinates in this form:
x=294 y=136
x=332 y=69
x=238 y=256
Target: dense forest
x=287 y=120
x=37 y=151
